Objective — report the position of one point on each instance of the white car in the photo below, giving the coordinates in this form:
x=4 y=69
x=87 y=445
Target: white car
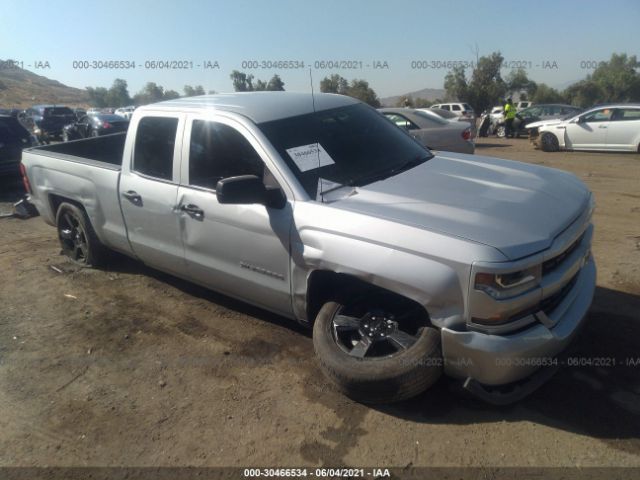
x=125 y=112
x=459 y=109
x=612 y=127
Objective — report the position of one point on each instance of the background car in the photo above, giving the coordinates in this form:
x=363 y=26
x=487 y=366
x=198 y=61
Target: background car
x=536 y=113
x=49 y=120
x=460 y=109
x=435 y=133
x=13 y=138
x=450 y=117
x=94 y=126
x=608 y=128
x=80 y=112
x=125 y=112
x=522 y=105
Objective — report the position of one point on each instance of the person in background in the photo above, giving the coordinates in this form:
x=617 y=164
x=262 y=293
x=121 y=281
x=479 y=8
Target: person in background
x=509 y=115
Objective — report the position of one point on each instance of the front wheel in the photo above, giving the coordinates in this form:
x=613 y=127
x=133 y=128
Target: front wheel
x=377 y=348
x=549 y=142
x=77 y=238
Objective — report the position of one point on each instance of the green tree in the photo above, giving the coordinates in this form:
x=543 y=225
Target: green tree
x=334 y=84
x=486 y=87
x=361 y=90
x=421 y=103
x=584 y=93
x=518 y=82
x=455 y=84
x=543 y=93
x=190 y=91
x=98 y=96
x=275 y=84
x=118 y=94
x=241 y=81
x=150 y=93
x=170 y=95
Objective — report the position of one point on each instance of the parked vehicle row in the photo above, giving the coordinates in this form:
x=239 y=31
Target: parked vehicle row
x=94 y=125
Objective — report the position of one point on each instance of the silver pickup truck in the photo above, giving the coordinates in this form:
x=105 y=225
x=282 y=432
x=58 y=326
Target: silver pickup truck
x=406 y=264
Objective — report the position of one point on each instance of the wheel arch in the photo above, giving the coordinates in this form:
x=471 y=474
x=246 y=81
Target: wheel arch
x=324 y=285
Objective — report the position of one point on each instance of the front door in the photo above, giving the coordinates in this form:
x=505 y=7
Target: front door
x=240 y=250
x=591 y=132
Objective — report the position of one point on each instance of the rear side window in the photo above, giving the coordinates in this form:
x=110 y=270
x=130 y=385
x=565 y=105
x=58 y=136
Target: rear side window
x=455 y=108
x=155 y=140
x=629 y=114
x=445 y=107
x=219 y=151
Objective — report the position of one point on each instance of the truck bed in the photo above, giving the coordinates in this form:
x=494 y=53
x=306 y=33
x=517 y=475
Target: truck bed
x=106 y=150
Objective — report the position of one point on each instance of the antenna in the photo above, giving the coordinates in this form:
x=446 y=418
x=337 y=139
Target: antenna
x=313 y=103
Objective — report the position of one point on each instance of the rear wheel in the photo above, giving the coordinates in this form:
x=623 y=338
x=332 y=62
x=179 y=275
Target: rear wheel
x=549 y=142
x=77 y=237
x=377 y=348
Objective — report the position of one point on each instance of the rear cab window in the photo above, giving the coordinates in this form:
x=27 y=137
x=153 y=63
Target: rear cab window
x=154 y=147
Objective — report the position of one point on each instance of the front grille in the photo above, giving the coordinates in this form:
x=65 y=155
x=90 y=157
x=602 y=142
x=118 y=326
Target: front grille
x=549 y=304
x=553 y=263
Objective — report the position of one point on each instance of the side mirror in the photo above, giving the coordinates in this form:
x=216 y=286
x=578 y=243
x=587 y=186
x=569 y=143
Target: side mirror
x=249 y=189
x=580 y=120
x=241 y=190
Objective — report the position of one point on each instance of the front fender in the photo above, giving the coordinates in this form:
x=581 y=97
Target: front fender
x=435 y=285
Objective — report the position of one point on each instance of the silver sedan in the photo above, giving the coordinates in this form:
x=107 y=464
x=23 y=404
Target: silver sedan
x=435 y=133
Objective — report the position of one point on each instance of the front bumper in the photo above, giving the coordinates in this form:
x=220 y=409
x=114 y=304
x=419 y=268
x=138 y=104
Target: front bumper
x=494 y=360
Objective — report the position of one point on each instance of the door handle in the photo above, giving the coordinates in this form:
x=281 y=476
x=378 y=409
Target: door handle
x=133 y=197
x=602 y=126
x=193 y=211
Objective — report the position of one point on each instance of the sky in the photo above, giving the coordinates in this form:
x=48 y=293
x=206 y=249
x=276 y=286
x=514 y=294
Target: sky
x=555 y=40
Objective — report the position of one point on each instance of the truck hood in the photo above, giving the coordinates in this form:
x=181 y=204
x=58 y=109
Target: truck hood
x=543 y=123
x=514 y=207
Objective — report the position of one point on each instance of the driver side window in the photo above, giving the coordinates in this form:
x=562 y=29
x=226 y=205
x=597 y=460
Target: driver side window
x=603 y=115
x=219 y=151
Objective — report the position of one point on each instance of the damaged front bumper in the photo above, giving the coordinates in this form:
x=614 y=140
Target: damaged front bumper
x=485 y=361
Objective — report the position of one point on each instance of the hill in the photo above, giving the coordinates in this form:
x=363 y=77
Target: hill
x=430 y=94
x=21 y=88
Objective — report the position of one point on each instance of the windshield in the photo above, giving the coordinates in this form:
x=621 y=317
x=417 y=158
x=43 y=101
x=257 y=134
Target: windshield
x=57 y=111
x=353 y=145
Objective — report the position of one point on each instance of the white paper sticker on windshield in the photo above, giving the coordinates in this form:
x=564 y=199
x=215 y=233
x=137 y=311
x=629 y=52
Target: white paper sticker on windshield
x=308 y=157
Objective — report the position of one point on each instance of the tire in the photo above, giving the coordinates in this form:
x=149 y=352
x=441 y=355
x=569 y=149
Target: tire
x=549 y=142
x=77 y=238
x=501 y=131
x=385 y=377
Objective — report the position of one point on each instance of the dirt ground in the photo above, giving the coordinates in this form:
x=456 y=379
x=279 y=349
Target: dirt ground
x=127 y=366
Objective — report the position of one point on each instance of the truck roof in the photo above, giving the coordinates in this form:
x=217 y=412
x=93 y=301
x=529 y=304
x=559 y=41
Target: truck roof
x=258 y=106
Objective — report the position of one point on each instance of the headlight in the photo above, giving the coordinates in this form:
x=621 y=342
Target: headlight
x=506 y=285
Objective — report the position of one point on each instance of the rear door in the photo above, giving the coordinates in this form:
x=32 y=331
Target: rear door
x=241 y=250
x=624 y=130
x=149 y=189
